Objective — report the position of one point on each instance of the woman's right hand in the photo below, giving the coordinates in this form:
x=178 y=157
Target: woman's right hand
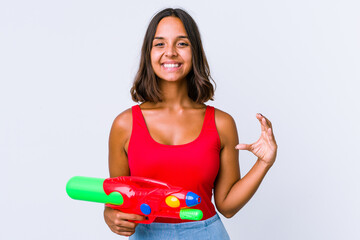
x=119 y=222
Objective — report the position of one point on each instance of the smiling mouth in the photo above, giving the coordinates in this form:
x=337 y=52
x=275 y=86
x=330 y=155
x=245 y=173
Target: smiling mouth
x=171 y=65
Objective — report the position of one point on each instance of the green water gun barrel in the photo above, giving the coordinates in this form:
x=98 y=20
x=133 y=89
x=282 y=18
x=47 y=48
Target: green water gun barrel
x=91 y=189
x=191 y=214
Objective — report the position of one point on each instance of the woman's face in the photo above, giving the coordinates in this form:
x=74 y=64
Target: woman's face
x=171 y=56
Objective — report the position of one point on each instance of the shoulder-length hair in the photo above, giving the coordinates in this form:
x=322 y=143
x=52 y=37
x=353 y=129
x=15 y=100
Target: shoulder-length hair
x=145 y=86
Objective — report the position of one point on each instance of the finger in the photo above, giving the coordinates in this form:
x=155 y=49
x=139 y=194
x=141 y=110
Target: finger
x=260 y=118
x=271 y=137
x=264 y=122
x=122 y=230
x=132 y=217
x=242 y=146
x=125 y=225
x=124 y=221
x=136 y=217
x=268 y=122
x=267 y=125
x=124 y=233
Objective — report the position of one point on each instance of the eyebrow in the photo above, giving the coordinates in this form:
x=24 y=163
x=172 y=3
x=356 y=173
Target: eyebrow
x=176 y=37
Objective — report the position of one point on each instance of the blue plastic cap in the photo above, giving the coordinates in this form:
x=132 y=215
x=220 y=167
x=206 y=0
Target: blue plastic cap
x=192 y=199
x=145 y=209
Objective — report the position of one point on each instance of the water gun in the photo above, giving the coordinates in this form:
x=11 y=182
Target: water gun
x=143 y=196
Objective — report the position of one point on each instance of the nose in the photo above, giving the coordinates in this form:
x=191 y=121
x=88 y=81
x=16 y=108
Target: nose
x=170 y=51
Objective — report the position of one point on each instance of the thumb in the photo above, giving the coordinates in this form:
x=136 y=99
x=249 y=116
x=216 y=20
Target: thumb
x=242 y=146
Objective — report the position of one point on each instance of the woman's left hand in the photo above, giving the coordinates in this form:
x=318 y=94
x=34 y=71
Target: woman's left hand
x=265 y=148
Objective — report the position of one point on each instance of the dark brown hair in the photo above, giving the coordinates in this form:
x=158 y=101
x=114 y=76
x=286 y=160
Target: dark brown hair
x=145 y=86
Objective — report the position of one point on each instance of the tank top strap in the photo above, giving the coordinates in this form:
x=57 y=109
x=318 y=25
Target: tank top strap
x=139 y=124
x=209 y=121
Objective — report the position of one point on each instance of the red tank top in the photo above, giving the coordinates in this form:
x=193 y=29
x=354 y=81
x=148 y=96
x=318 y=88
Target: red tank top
x=193 y=166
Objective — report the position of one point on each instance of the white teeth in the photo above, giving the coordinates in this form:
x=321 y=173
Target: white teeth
x=171 y=65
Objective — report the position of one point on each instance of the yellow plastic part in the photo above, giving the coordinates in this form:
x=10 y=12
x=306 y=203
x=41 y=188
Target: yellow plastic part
x=172 y=201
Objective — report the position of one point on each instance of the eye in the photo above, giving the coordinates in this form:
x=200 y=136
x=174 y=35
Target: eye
x=158 y=44
x=183 y=44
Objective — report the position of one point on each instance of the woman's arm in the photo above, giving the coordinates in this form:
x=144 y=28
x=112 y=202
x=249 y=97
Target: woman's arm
x=231 y=192
x=119 y=138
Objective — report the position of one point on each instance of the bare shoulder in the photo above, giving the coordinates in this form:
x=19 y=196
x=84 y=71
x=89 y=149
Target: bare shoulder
x=124 y=118
x=123 y=123
x=223 y=119
x=226 y=126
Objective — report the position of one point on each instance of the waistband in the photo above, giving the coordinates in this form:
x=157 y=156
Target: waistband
x=185 y=225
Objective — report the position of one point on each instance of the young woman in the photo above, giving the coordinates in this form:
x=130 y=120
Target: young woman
x=174 y=137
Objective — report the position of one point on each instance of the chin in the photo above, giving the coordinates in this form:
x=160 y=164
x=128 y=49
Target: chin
x=172 y=78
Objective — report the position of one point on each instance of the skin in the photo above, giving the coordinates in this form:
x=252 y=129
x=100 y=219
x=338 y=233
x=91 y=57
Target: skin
x=178 y=120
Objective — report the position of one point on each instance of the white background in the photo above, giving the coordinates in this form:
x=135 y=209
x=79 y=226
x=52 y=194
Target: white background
x=66 y=68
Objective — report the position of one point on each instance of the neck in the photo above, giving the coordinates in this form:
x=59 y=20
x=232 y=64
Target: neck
x=174 y=94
